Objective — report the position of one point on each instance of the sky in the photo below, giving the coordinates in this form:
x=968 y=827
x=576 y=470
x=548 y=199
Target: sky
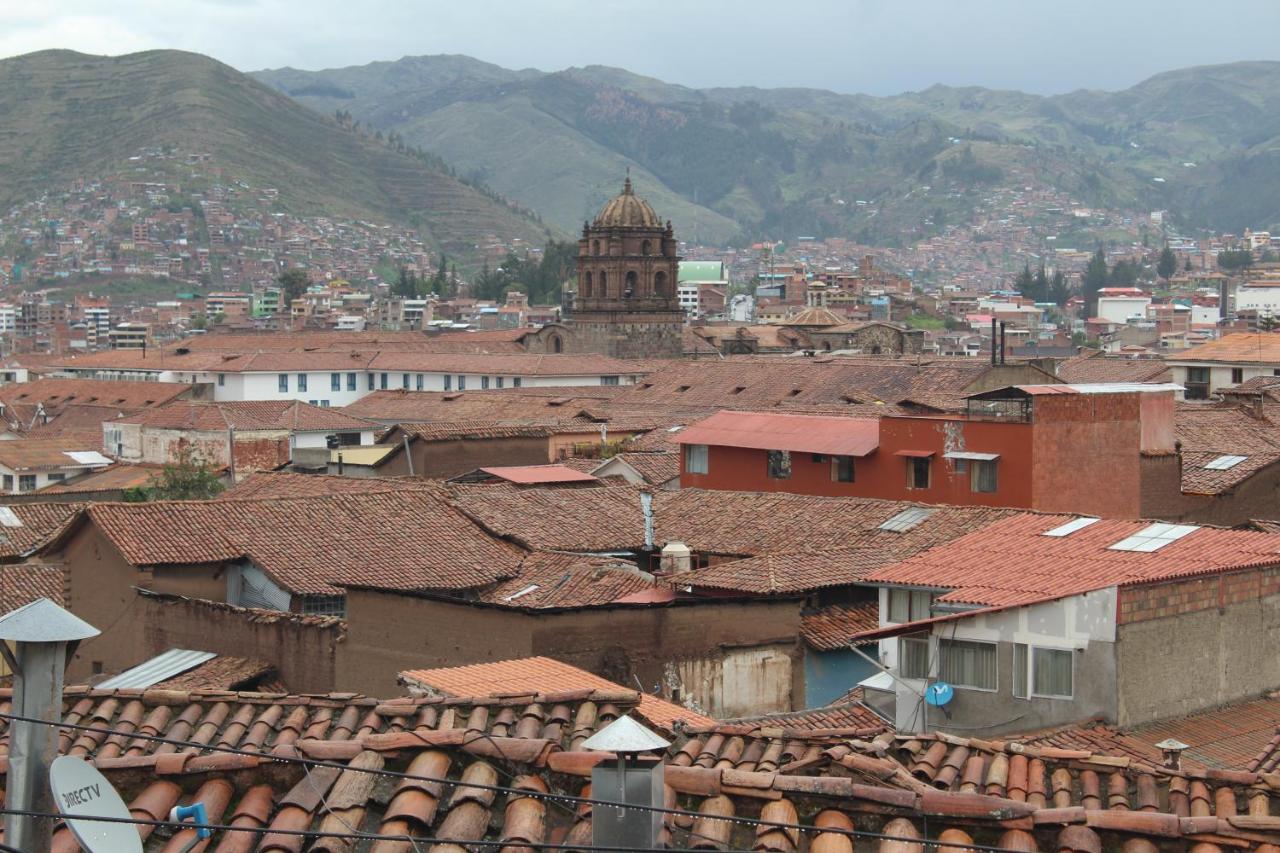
x=877 y=47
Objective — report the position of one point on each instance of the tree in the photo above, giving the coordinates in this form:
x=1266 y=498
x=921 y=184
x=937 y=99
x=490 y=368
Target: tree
x=188 y=479
x=1236 y=259
x=1025 y=282
x=1059 y=290
x=406 y=285
x=1168 y=263
x=1187 y=266
x=293 y=283
x=1095 y=278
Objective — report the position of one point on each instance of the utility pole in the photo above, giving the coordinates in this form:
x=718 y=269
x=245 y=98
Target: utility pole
x=44 y=637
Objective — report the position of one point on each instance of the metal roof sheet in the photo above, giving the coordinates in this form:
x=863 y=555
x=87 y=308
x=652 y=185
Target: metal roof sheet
x=159 y=668
x=833 y=435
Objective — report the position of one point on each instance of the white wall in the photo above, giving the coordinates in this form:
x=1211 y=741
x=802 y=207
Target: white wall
x=1118 y=309
x=42 y=478
x=1266 y=299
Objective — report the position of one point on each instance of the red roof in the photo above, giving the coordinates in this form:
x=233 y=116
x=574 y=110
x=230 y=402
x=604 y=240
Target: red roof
x=540 y=474
x=801 y=433
x=1011 y=562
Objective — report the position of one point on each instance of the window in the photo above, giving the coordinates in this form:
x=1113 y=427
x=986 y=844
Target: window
x=222 y=379
x=324 y=404
x=917 y=472
x=498 y=381
x=8 y=483
x=779 y=464
x=462 y=382
x=842 y=469
x=421 y=382
x=404 y=381
x=351 y=382
x=484 y=382
x=448 y=382
x=1237 y=375
x=964 y=663
x=1197 y=383
x=324 y=605
x=26 y=482
x=515 y=381
x=695 y=458
x=982 y=476
x=608 y=380
x=382 y=381
x=57 y=477
x=302 y=382
x=335 y=381
x=909 y=605
x=370 y=375
x=913 y=657
x=284 y=383
x=1045 y=673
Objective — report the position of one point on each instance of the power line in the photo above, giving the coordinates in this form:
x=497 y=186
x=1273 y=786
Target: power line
x=518 y=792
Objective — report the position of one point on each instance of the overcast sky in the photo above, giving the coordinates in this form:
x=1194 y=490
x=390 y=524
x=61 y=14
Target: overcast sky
x=873 y=46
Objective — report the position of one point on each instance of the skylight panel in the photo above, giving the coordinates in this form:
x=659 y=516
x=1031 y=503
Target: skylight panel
x=1222 y=463
x=1071 y=526
x=8 y=518
x=908 y=519
x=1153 y=537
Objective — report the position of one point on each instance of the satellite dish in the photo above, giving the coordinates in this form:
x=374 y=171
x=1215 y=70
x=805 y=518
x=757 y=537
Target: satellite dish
x=939 y=694
x=82 y=792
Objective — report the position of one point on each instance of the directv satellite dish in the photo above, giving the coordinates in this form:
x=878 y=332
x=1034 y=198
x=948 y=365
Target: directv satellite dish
x=82 y=792
x=939 y=694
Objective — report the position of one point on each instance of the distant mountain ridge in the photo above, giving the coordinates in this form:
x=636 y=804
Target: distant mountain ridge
x=71 y=115
x=738 y=162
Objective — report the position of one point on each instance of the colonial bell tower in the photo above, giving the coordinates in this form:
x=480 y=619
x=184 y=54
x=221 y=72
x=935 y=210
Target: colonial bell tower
x=626 y=305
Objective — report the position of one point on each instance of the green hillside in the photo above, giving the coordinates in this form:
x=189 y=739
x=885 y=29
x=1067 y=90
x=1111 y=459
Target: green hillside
x=69 y=115
x=745 y=162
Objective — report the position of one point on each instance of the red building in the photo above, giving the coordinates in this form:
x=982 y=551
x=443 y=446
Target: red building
x=1055 y=448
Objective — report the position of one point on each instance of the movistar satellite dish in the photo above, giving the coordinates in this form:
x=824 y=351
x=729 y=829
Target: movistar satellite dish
x=939 y=693
x=82 y=792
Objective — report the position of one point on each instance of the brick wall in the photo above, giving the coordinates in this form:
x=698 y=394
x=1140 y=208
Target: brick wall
x=1160 y=601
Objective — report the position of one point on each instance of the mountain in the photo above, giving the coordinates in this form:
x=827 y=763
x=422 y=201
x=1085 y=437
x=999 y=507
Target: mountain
x=69 y=115
x=745 y=162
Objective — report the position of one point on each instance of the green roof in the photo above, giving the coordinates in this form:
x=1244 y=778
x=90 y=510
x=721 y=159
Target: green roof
x=701 y=271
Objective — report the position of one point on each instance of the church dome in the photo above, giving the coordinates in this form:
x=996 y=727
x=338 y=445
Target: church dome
x=627 y=210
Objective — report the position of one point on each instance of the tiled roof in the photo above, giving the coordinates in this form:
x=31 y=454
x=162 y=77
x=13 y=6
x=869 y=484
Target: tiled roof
x=48 y=454
x=533 y=404
x=582 y=520
x=836 y=625
x=772 y=431
x=550 y=580
x=504 y=340
x=1227 y=430
x=851 y=719
x=310 y=545
x=23 y=583
x=472 y=430
x=535 y=675
x=38 y=523
x=788 y=572
x=1096 y=367
x=1199 y=480
x=655 y=468
x=1239 y=347
x=247 y=416
x=1013 y=795
x=510 y=365
x=55 y=394
x=108 y=479
x=1009 y=562
x=286 y=484
x=224 y=672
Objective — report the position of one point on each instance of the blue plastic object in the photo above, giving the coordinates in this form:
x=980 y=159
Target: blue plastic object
x=939 y=693
x=198 y=815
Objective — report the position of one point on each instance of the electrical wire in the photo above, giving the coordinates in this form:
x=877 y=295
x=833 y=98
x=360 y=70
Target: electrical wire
x=521 y=792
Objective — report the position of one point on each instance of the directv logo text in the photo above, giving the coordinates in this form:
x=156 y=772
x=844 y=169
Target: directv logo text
x=80 y=796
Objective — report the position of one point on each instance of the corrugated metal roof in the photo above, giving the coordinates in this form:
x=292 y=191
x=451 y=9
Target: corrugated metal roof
x=800 y=433
x=159 y=668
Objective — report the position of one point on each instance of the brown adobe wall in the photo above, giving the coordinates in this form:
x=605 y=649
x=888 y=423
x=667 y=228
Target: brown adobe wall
x=99 y=589
x=443 y=459
x=1162 y=496
x=1185 y=646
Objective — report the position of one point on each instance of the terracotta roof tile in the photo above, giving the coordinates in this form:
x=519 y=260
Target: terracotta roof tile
x=47 y=454
x=655 y=468
x=533 y=404
x=1238 y=347
x=286 y=484
x=224 y=672
x=547 y=580
x=23 y=583
x=1200 y=480
x=1096 y=367
x=1011 y=562
x=293 y=415
x=536 y=675
x=1226 y=430
x=37 y=523
x=836 y=625
x=789 y=572
x=773 y=431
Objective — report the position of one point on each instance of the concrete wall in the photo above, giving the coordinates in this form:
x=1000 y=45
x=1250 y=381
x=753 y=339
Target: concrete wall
x=388 y=633
x=1194 y=644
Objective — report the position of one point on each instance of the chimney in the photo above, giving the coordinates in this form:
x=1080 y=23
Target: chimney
x=993 y=341
x=676 y=559
x=1002 y=349
x=44 y=637
x=1172 y=750
x=631 y=778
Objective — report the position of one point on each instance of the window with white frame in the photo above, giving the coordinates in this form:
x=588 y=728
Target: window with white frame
x=913 y=657
x=967 y=663
x=1043 y=672
x=695 y=459
x=909 y=605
